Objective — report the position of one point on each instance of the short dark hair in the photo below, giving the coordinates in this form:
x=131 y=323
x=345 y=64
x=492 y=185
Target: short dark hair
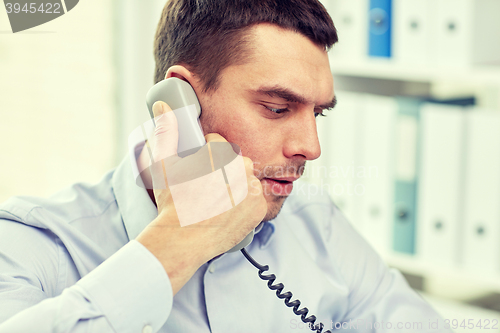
x=207 y=36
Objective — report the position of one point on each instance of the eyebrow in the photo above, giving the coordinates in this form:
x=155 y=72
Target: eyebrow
x=292 y=97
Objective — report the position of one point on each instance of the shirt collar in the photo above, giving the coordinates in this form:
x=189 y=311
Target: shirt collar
x=137 y=209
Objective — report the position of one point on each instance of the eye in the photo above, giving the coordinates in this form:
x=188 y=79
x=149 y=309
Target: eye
x=278 y=111
x=319 y=113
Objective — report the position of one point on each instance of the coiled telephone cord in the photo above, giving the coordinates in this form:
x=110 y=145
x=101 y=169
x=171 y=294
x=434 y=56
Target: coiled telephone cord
x=286 y=296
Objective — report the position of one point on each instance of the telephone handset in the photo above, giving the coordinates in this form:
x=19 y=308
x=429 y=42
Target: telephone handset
x=178 y=94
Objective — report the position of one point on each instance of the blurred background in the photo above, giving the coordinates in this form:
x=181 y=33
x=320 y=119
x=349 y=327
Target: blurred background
x=411 y=154
x=72 y=90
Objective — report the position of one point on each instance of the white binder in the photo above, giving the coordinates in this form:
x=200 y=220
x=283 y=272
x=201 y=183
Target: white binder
x=482 y=193
x=467 y=32
x=351 y=20
x=440 y=184
x=412 y=32
x=342 y=153
x=377 y=162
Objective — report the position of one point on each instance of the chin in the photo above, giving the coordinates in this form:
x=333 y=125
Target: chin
x=274 y=205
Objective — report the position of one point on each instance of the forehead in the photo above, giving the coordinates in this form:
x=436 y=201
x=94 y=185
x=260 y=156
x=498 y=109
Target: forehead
x=281 y=57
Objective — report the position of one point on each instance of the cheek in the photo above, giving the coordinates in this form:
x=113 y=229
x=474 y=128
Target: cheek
x=244 y=135
x=243 y=127
x=256 y=145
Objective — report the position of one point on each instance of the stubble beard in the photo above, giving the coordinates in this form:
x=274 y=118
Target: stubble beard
x=275 y=202
x=274 y=205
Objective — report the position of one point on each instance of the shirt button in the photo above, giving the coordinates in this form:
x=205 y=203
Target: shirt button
x=211 y=269
x=147 y=329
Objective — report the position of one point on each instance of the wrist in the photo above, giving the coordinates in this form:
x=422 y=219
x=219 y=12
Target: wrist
x=176 y=248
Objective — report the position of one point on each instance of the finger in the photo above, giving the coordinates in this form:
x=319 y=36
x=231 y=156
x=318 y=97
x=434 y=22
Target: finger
x=166 y=134
x=221 y=151
x=214 y=137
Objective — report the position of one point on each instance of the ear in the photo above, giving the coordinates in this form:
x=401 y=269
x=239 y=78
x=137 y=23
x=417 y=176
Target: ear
x=185 y=74
x=180 y=72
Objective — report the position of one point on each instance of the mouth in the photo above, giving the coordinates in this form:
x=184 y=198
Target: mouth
x=278 y=186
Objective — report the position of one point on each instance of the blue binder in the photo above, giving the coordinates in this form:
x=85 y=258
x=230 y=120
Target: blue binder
x=405 y=190
x=380 y=28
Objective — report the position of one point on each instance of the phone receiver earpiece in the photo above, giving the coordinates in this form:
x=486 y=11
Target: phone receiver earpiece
x=181 y=98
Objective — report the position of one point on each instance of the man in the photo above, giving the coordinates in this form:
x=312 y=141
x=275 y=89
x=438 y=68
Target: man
x=113 y=257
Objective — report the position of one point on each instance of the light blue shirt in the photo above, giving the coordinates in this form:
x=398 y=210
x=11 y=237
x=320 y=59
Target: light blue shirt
x=70 y=263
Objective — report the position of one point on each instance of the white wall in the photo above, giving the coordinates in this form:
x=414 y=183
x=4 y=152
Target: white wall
x=57 y=101
x=136 y=23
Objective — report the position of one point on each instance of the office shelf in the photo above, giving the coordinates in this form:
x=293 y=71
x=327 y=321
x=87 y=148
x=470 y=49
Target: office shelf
x=390 y=70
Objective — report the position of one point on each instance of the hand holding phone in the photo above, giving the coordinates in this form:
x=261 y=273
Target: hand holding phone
x=181 y=98
x=174 y=245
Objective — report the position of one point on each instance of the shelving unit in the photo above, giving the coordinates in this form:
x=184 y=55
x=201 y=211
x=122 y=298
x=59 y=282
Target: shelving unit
x=412 y=264
x=481 y=81
x=386 y=69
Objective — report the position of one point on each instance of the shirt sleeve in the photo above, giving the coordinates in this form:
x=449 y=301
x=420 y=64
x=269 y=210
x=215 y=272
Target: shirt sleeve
x=127 y=292
x=380 y=299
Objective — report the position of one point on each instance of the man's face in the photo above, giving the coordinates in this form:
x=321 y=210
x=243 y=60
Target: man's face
x=267 y=107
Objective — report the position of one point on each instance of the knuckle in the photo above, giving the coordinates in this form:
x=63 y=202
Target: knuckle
x=160 y=129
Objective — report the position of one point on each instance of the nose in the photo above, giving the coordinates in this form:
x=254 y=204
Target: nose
x=302 y=139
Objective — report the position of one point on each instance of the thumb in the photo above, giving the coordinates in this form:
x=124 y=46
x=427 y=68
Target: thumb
x=166 y=134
